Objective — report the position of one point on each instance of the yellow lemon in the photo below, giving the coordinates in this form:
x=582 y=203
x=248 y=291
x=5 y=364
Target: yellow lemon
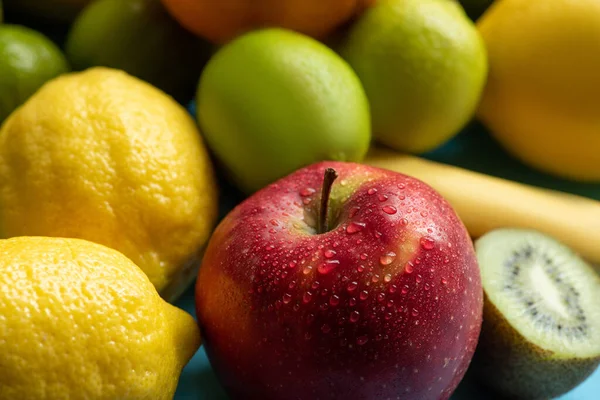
x=103 y=156
x=80 y=321
x=541 y=101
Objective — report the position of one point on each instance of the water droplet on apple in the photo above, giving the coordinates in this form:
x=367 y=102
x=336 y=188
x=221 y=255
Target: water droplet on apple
x=382 y=197
x=363 y=295
x=372 y=191
x=307 y=269
x=401 y=186
x=358 y=241
x=354 y=316
x=387 y=259
x=328 y=266
x=391 y=210
x=377 y=234
x=325 y=328
x=329 y=253
x=352 y=301
x=307 y=336
x=343 y=182
x=388 y=316
x=354 y=227
x=315 y=285
x=419 y=278
x=375 y=278
x=409 y=268
x=427 y=286
x=414 y=312
x=404 y=221
x=363 y=256
x=360 y=268
x=444 y=281
x=404 y=289
x=307 y=192
x=387 y=278
x=427 y=243
x=287 y=298
x=393 y=289
x=390 y=304
x=446 y=260
x=353 y=211
x=381 y=297
x=306 y=201
x=361 y=340
x=274 y=222
x=424 y=213
x=307 y=297
x=351 y=287
x=334 y=300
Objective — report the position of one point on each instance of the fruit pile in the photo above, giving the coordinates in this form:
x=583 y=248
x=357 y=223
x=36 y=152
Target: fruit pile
x=287 y=164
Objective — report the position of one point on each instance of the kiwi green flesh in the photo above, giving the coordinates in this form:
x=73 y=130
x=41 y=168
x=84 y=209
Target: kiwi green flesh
x=544 y=291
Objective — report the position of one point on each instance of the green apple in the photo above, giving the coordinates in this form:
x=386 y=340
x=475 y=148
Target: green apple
x=272 y=101
x=141 y=38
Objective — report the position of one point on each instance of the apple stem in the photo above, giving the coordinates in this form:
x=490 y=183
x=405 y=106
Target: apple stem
x=330 y=176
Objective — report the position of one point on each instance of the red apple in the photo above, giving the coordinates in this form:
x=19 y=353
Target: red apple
x=380 y=300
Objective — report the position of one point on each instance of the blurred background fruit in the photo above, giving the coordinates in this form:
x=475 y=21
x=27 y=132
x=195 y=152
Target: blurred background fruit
x=475 y=8
x=274 y=100
x=50 y=10
x=103 y=156
x=423 y=66
x=221 y=21
x=27 y=60
x=141 y=38
x=541 y=101
x=85 y=310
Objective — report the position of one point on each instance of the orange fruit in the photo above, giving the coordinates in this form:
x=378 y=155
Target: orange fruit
x=220 y=21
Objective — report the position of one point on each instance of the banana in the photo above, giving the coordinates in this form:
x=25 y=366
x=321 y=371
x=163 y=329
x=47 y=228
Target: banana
x=485 y=203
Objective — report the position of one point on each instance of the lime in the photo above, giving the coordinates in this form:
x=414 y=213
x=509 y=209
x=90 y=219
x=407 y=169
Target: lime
x=139 y=37
x=27 y=60
x=273 y=100
x=423 y=66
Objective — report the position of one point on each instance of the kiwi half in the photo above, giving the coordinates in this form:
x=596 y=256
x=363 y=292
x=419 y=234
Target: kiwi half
x=541 y=321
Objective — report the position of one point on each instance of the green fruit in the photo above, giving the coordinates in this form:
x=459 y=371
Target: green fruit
x=273 y=100
x=423 y=66
x=48 y=10
x=139 y=37
x=27 y=60
x=475 y=8
x=541 y=320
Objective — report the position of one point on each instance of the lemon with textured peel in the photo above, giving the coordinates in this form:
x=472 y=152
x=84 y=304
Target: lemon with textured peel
x=80 y=321
x=101 y=155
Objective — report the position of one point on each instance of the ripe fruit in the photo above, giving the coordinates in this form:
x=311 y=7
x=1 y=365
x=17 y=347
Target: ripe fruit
x=541 y=330
x=485 y=203
x=423 y=66
x=141 y=38
x=103 y=156
x=27 y=60
x=541 y=101
x=79 y=320
x=221 y=21
x=381 y=298
x=273 y=101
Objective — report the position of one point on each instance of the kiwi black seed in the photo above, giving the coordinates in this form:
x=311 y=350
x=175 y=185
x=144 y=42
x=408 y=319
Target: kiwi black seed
x=541 y=321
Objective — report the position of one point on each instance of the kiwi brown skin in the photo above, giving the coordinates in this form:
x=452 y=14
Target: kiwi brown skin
x=508 y=363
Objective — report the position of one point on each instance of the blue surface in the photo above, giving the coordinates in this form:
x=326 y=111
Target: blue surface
x=472 y=149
